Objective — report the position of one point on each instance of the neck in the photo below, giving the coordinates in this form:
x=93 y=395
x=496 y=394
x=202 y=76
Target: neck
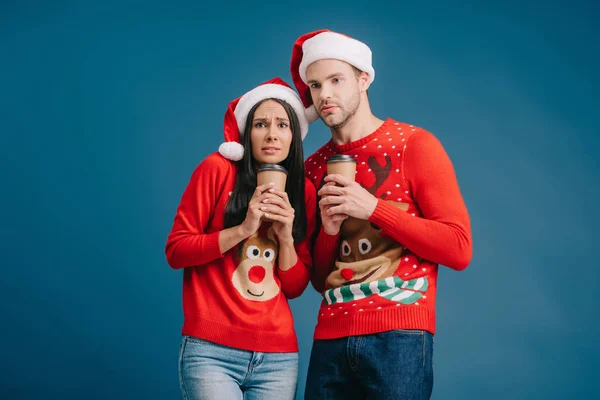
x=361 y=124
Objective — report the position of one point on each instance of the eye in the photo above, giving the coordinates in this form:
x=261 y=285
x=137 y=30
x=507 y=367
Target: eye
x=269 y=254
x=375 y=227
x=364 y=246
x=336 y=80
x=283 y=125
x=259 y=125
x=252 y=252
x=315 y=86
x=346 y=250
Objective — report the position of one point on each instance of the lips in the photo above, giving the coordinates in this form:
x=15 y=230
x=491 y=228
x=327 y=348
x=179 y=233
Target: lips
x=271 y=150
x=328 y=109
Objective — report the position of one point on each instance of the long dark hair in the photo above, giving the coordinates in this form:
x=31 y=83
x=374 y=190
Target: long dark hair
x=245 y=182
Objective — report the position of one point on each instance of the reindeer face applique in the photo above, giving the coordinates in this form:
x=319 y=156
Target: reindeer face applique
x=253 y=278
x=365 y=255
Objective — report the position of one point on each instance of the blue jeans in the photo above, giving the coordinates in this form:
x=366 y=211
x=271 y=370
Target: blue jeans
x=214 y=372
x=394 y=365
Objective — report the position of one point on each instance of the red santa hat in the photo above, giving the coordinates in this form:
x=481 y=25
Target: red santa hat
x=237 y=113
x=325 y=44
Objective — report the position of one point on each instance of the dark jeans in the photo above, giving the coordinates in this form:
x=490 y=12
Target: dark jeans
x=394 y=365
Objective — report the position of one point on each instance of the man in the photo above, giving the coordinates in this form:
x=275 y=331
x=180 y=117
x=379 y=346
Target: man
x=382 y=235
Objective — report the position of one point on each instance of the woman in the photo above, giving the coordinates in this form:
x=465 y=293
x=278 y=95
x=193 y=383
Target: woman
x=244 y=251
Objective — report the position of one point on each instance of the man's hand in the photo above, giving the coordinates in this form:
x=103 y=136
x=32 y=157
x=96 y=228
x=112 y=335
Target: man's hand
x=345 y=197
x=331 y=223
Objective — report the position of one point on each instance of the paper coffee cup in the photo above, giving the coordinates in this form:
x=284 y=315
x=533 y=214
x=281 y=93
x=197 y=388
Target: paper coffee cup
x=343 y=165
x=272 y=173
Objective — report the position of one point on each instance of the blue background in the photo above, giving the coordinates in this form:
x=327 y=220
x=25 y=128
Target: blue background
x=105 y=110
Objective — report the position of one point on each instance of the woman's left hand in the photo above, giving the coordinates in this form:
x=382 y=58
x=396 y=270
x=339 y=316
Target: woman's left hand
x=280 y=211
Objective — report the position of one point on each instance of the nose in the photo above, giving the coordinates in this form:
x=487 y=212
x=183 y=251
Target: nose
x=325 y=92
x=271 y=134
x=347 y=273
x=256 y=274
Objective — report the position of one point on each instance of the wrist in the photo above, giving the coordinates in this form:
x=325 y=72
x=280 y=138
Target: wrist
x=371 y=208
x=331 y=231
x=289 y=242
x=242 y=232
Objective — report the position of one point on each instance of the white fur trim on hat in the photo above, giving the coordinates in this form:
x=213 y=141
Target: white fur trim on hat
x=232 y=150
x=270 y=91
x=331 y=45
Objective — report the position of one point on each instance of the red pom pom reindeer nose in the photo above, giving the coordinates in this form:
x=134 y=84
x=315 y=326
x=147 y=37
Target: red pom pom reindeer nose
x=347 y=273
x=256 y=274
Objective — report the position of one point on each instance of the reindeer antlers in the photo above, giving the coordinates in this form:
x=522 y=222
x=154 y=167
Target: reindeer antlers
x=381 y=174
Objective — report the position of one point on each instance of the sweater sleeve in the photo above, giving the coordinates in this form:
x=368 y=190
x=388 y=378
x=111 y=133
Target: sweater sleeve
x=188 y=244
x=295 y=279
x=443 y=234
x=326 y=248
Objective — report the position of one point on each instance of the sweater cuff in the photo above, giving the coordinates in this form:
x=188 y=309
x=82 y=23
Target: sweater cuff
x=293 y=274
x=327 y=241
x=294 y=280
x=386 y=216
x=325 y=251
x=211 y=246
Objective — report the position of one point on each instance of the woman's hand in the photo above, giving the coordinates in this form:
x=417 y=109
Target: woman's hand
x=255 y=215
x=280 y=211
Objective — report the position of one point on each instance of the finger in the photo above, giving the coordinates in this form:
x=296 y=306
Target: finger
x=331 y=201
x=260 y=189
x=265 y=196
x=258 y=203
x=342 y=209
x=338 y=217
x=283 y=195
x=278 y=218
x=331 y=190
x=322 y=210
x=256 y=195
x=279 y=202
x=338 y=179
x=325 y=207
x=255 y=211
x=272 y=209
x=279 y=211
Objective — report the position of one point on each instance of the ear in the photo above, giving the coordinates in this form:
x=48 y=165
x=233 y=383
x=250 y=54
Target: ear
x=364 y=81
x=271 y=235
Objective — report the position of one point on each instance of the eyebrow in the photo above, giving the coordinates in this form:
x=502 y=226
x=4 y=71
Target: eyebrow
x=264 y=119
x=336 y=74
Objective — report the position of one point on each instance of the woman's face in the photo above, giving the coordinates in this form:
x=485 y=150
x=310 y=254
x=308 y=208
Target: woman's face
x=271 y=133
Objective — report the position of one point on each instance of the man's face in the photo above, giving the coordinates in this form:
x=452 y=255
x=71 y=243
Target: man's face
x=335 y=90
